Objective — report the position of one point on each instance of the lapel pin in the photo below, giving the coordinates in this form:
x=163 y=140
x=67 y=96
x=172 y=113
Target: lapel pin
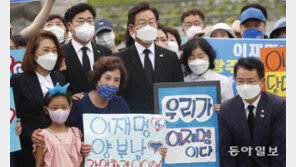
x=262 y=115
x=161 y=55
x=99 y=51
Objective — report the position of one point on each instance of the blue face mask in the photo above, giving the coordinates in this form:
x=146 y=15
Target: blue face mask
x=253 y=33
x=284 y=37
x=107 y=91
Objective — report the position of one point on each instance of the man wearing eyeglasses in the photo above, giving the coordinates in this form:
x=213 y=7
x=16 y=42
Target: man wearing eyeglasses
x=146 y=63
x=252 y=125
x=80 y=53
x=193 y=21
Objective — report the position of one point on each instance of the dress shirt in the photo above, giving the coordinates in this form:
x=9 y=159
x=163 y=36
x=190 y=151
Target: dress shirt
x=141 y=53
x=225 y=82
x=78 y=49
x=255 y=104
x=44 y=82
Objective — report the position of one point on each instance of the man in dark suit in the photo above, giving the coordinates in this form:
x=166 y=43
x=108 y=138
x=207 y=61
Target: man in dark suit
x=252 y=125
x=146 y=62
x=80 y=52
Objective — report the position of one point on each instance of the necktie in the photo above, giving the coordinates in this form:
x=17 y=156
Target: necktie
x=85 y=59
x=148 y=66
x=251 y=119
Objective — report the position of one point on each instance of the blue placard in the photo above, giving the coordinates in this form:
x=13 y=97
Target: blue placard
x=228 y=51
x=124 y=139
x=16 y=58
x=17 y=1
x=191 y=123
x=14 y=138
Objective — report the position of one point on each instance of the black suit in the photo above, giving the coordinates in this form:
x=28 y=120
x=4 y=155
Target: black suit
x=75 y=74
x=138 y=93
x=269 y=131
x=28 y=99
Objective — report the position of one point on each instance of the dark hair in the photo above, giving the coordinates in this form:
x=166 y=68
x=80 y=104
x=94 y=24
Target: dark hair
x=250 y=63
x=104 y=64
x=175 y=33
x=55 y=16
x=139 y=8
x=20 y=41
x=129 y=40
x=193 y=44
x=257 y=6
x=277 y=33
x=13 y=41
x=45 y=119
x=29 y=64
x=192 y=12
x=81 y=7
x=162 y=28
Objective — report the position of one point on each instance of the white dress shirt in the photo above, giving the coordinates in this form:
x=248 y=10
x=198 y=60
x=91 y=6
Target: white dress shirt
x=141 y=53
x=44 y=82
x=78 y=49
x=255 y=104
x=225 y=82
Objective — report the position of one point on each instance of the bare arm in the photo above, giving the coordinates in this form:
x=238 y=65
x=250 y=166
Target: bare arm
x=39 y=156
x=39 y=21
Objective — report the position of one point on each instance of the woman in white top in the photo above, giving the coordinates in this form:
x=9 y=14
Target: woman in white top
x=198 y=58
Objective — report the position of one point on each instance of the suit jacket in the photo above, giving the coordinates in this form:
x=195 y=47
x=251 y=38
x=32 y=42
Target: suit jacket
x=138 y=93
x=75 y=74
x=28 y=99
x=269 y=131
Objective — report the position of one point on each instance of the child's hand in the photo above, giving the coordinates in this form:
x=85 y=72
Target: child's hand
x=37 y=137
x=163 y=151
x=18 y=127
x=78 y=96
x=217 y=108
x=85 y=149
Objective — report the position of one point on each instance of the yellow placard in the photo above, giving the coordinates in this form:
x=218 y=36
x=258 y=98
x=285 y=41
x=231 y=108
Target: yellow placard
x=276 y=83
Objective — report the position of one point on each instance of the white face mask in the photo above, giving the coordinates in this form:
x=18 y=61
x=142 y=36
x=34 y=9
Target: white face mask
x=106 y=39
x=58 y=31
x=192 y=31
x=47 y=61
x=147 y=34
x=248 y=92
x=58 y=116
x=173 y=46
x=199 y=66
x=85 y=32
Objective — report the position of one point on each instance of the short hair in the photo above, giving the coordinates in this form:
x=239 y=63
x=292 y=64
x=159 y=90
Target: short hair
x=129 y=40
x=81 y=7
x=104 y=64
x=13 y=40
x=139 y=8
x=257 y=6
x=28 y=63
x=175 y=33
x=55 y=16
x=162 y=28
x=250 y=63
x=192 y=12
x=193 y=44
x=20 y=41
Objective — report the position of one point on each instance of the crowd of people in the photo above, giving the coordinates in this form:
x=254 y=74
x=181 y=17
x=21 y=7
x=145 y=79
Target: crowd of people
x=72 y=66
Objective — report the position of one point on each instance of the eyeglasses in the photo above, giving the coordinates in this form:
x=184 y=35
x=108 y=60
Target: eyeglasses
x=196 y=23
x=249 y=82
x=141 y=24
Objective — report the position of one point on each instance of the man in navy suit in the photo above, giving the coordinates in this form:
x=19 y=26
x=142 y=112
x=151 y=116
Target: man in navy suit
x=145 y=62
x=252 y=125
